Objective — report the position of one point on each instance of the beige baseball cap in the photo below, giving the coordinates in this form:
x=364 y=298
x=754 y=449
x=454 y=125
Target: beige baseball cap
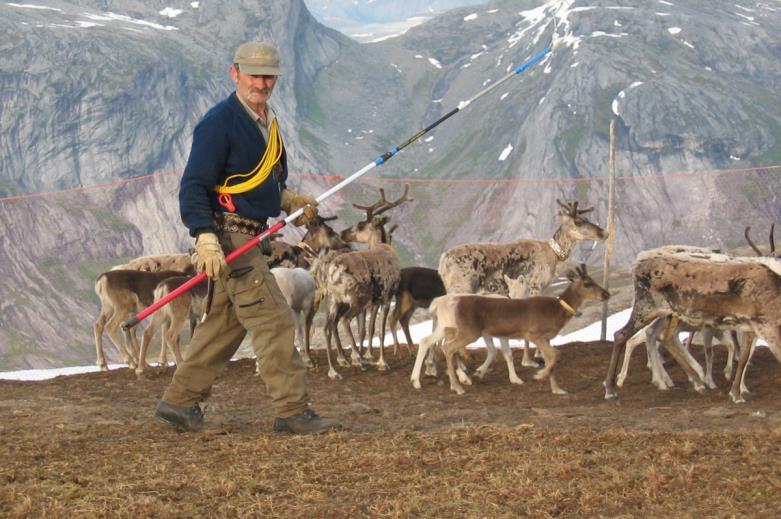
x=258 y=58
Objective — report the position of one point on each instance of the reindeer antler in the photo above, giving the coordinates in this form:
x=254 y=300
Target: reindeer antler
x=581 y=270
x=571 y=208
x=751 y=243
x=755 y=248
x=382 y=204
x=391 y=231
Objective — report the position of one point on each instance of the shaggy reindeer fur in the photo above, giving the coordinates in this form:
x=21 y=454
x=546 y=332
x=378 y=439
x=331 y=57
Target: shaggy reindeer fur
x=710 y=290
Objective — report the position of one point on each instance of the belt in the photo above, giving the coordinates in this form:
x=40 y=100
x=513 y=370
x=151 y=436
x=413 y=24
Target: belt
x=231 y=222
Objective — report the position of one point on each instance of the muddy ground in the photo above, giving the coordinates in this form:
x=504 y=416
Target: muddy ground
x=86 y=446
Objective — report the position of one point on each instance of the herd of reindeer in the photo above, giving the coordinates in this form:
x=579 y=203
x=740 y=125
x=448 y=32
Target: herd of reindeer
x=489 y=290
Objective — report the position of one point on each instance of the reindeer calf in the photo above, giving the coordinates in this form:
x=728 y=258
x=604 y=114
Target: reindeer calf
x=461 y=319
x=188 y=307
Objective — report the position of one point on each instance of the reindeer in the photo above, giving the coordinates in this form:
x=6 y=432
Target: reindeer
x=121 y=293
x=325 y=244
x=461 y=319
x=299 y=287
x=156 y=262
x=187 y=308
x=286 y=255
x=359 y=279
x=711 y=290
x=418 y=286
x=371 y=231
x=484 y=268
x=652 y=332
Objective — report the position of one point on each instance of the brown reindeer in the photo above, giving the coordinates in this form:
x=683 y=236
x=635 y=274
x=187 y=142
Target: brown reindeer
x=483 y=268
x=418 y=286
x=358 y=280
x=712 y=290
x=121 y=293
x=461 y=319
x=171 y=318
x=371 y=231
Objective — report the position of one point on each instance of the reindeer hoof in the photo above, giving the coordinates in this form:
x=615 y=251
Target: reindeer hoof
x=342 y=362
x=333 y=375
x=559 y=391
x=531 y=364
x=382 y=366
x=737 y=400
x=416 y=384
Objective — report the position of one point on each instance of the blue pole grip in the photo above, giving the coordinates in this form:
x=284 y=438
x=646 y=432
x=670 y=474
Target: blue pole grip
x=533 y=61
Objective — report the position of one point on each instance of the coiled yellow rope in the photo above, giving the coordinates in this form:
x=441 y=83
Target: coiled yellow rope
x=261 y=172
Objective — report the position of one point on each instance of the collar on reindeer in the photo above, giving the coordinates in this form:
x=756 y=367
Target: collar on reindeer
x=557 y=249
x=566 y=306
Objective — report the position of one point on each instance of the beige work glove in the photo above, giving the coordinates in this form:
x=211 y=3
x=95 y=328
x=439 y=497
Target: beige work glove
x=292 y=202
x=209 y=257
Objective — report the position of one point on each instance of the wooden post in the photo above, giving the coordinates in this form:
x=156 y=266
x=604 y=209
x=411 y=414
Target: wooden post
x=610 y=223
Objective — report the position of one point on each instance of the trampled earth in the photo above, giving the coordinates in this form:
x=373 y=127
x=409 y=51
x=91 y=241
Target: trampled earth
x=86 y=445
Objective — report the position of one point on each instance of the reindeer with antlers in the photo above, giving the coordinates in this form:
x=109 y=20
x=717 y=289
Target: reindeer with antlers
x=358 y=280
x=485 y=268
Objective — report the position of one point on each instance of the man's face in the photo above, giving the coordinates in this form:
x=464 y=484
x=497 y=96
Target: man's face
x=253 y=90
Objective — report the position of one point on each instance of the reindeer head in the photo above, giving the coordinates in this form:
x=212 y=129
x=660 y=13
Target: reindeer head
x=576 y=226
x=587 y=287
x=772 y=253
x=372 y=229
x=319 y=235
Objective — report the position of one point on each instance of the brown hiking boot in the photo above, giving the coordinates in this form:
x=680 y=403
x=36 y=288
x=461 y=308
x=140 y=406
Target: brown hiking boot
x=183 y=419
x=305 y=422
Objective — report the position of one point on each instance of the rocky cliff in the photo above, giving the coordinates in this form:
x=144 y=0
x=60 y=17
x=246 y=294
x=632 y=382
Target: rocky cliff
x=99 y=99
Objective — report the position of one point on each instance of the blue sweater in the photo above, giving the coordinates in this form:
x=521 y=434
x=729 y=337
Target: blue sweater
x=225 y=142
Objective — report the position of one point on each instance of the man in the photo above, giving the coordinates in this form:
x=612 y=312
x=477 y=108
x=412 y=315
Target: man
x=235 y=179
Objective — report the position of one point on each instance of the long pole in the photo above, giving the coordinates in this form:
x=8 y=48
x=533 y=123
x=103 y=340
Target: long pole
x=385 y=157
x=611 y=228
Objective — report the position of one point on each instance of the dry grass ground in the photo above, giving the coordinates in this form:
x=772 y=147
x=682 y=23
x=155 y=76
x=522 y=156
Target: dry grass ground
x=86 y=446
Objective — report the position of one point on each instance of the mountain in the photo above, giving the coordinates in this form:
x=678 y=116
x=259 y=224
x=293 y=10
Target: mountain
x=99 y=99
x=372 y=20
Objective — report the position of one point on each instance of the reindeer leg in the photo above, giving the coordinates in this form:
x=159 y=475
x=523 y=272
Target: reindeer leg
x=527 y=361
x=630 y=347
x=382 y=365
x=451 y=349
x=745 y=351
x=431 y=365
x=146 y=339
x=508 y=358
x=620 y=338
x=393 y=323
x=310 y=315
x=329 y=329
x=100 y=325
x=684 y=358
x=659 y=376
x=490 y=355
x=423 y=349
x=551 y=356
x=707 y=346
x=368 y=355
x=732 y=346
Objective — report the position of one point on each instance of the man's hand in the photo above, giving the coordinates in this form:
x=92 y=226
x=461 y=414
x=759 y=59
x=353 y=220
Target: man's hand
x=292 y=202
x=209 y=257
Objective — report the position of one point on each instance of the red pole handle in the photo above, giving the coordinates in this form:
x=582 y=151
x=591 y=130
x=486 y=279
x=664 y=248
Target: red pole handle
x=157 y=305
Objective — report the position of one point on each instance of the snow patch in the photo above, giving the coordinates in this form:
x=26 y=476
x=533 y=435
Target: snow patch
x=170 y=12
x=435 y=62
x=470 y=17
x=505 y=152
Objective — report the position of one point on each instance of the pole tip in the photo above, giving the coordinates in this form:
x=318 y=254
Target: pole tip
x=127 y=325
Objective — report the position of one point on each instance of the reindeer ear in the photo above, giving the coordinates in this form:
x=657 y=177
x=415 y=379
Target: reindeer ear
x=507 y=279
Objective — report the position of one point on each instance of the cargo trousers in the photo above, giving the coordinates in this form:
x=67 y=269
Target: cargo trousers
x=246 y=300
